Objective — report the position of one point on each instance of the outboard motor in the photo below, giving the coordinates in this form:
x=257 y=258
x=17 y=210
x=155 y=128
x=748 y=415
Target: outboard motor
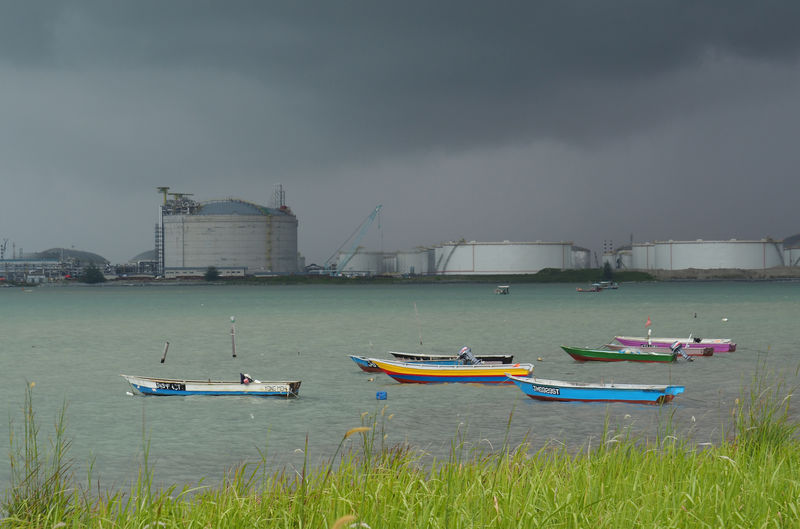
x=677 y=347
x=466 y=357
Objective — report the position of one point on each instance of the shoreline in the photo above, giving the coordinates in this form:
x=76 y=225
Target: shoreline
x=543 y=276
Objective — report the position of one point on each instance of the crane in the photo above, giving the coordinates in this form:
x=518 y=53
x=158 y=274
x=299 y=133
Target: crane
x=362 y=229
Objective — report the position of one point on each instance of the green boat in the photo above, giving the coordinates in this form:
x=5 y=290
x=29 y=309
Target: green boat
x=626 y=354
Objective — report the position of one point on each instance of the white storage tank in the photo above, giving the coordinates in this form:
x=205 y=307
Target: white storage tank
x=419 y=262
x=581 y=258
x=624 y=259
x=229 y=233
x=389 y=264
x=791 y=256
x=362 y=263
x=643 y=256
x=791 y=250
x=700 y=254
x=466 y=258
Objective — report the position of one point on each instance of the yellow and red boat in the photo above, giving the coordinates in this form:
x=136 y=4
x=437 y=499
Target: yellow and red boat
x=414 y=373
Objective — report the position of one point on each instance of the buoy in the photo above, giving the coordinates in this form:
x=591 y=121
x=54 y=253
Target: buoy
x=539 y=359
x=724 y=319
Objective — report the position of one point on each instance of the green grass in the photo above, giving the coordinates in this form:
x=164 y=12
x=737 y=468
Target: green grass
x=750 y=479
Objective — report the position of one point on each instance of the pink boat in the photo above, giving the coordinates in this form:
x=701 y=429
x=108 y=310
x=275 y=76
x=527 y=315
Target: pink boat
x=720 y=345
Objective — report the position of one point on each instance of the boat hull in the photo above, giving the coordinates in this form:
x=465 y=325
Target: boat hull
x=624 y=355
x=364 y=363
x=705 y=351
x=176 y=387
x=556 y=390
x=411 y=373
x=720 y=345
x=451 y=359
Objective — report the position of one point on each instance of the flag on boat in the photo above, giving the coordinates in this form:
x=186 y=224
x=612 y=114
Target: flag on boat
x=648 y=322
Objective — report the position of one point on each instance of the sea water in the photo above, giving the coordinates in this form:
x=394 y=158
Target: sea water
x=73 y=342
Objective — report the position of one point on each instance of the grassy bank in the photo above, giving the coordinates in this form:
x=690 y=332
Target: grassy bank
x=748 y=480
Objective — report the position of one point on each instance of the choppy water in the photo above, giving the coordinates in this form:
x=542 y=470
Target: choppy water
x=73 y=342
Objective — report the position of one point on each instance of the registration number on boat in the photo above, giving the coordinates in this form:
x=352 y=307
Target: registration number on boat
x=276 y=389
x=546 y=390
x=173 y=386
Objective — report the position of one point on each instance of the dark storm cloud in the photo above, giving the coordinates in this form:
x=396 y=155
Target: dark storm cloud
x=414 y=74
x=348 y=102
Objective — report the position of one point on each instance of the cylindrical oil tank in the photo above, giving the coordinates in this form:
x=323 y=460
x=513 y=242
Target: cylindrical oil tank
x=747 y=255
x=418 y=262
x=791 y=257
x=581 y=258
x=362 y=262
x=232 y=233
x=643 y=255
x=624 y=260
x=465 y=258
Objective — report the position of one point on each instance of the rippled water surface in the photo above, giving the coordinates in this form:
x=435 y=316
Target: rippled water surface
x=73 y=342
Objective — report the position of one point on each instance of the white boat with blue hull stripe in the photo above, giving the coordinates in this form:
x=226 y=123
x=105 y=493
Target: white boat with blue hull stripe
x=245 y=387
x=558 y=390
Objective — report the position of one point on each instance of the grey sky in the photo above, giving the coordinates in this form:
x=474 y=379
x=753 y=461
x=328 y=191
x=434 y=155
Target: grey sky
x=523 y=121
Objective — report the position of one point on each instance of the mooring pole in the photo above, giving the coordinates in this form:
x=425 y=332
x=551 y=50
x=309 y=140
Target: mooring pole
x=166 y=348
x=233 y=336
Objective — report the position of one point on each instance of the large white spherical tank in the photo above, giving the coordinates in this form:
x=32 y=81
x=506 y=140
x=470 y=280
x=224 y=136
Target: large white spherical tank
x=502 y=258
x=255 y=238
x=746 y=255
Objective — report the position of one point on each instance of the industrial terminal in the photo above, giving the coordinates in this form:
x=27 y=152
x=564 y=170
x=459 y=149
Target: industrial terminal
x=236 y=237
x=240 y=238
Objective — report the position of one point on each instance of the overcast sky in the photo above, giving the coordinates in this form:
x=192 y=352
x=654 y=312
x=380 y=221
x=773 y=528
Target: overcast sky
x=585 y=121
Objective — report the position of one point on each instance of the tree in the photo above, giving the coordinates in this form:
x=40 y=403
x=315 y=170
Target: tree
x=608 y=274
x=212 y=274
x=92 y=274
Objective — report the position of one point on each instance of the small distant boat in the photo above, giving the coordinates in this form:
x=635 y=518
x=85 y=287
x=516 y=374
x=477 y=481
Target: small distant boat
x=599 y=287
x=408 y=372
x=365 y=364
x=502 y=289
x=696 y=351
x=451 y=359
x=720 y=345
x=246 y=386
x=629 y=354
x=544 y=389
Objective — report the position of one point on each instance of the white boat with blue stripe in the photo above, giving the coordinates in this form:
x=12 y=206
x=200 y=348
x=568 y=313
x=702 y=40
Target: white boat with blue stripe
x=544 y=389
x=246 y=386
